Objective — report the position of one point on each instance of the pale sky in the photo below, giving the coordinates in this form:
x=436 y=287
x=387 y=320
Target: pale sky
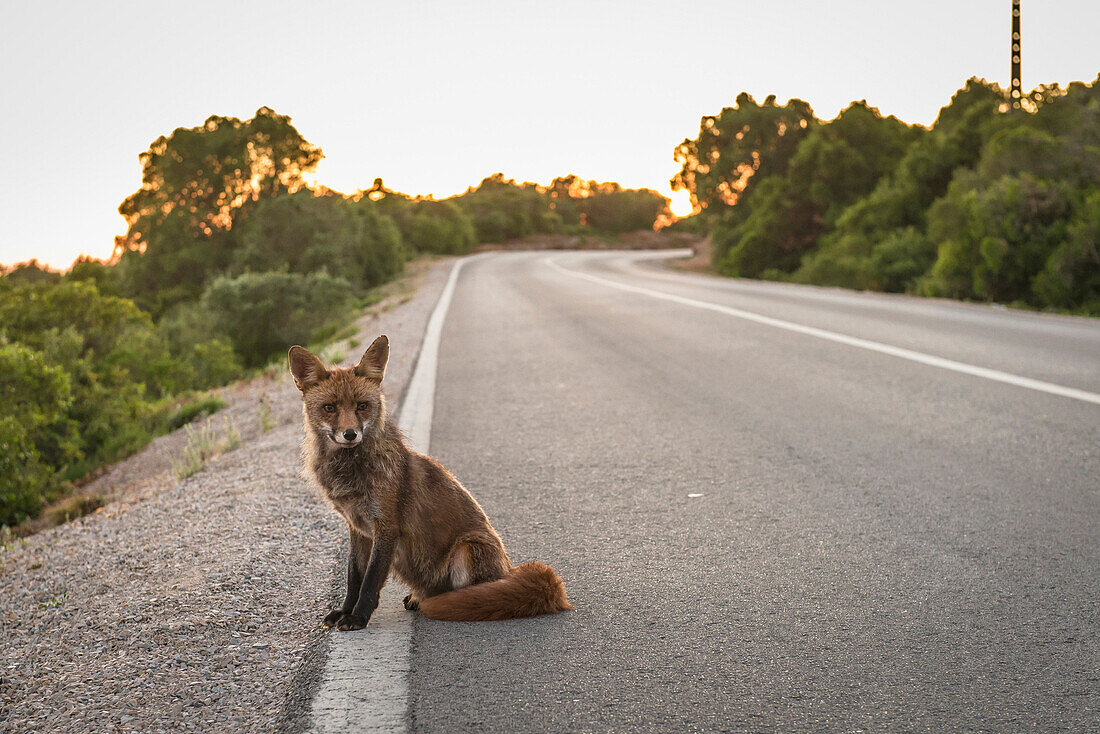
x=434 y=96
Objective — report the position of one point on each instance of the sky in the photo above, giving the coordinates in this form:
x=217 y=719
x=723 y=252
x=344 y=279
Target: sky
x=434 y=96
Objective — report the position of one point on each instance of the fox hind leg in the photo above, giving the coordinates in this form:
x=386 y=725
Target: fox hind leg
x=411 y=602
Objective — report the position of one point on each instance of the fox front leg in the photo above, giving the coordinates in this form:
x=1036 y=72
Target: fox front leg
x=381 y=558
x=358 y=558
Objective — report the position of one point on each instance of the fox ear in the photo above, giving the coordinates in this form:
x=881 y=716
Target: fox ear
x=307 y=369
x=373 y=364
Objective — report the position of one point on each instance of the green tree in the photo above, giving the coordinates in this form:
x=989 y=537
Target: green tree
x=104 y=276
x=1070 y=278
x=196 y=184
x=610 y=208
x=739 y=144
x=502 y=210
x=113 y=355
x=264 y=314
x=30 y=272
x=769 y=231
x=35 y=396
x=891 y=217
x=302 y=233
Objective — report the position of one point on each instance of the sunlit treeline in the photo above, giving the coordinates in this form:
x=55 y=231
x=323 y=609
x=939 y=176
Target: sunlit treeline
x=229 y=258
x=989 y=203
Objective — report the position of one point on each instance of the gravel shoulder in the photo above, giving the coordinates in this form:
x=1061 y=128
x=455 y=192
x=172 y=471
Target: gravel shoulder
x=193 y=604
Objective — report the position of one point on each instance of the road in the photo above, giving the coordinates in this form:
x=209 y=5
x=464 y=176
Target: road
x=763 y=528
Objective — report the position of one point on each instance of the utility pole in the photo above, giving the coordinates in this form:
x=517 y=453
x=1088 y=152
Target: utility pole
x=1017 y=89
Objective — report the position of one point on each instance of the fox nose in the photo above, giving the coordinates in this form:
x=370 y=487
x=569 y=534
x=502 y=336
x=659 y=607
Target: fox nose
x=349 y=435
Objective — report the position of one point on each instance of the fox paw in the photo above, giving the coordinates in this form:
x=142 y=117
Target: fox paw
x=350 y=621
x=411 y=603
x=332 y=617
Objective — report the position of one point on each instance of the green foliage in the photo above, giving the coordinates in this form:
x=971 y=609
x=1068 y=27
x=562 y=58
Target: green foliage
x=33 y=431
x=995 y=236
x=29 y=272
x=605 y=207
x=111 y=353
x=988 y=204
x=262 y=314
x=211 y=363
x=197 y=183
x=303 y=233
x=439 y=227
x=188 y=412
x=833 y=165
x=95 y=271
x=1070 y=278
x=742 y=143
x=502 y=210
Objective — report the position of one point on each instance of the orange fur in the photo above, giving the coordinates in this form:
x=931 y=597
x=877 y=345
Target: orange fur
x=528 y=590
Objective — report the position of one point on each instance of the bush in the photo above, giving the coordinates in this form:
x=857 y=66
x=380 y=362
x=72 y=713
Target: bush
x=263 y=314
x=35 y=398
x=189 y=411
x=25 y=482
x=303 y=233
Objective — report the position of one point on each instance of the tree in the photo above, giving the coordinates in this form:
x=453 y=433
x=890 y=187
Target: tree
x=302 y=233
x=889 y=220
x=263 y=314
x=774 y=225
x=113 y=355
x=196 y=183
x=30 y=272
x=502 y=210
x=741 y=142
x=35 y=396
x=1070 y=278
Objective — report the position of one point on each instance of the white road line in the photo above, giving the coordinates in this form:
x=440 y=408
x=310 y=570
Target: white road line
x=365 y=685
x=418 y=404
x=909 y=354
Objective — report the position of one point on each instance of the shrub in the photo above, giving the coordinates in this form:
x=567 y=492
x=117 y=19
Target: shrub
x=262 y=314
x=188 y=412
x=35 y=397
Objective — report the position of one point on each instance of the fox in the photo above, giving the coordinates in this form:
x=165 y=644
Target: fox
x=405 y=513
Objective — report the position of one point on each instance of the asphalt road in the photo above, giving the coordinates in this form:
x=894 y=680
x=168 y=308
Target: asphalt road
x=762 y=529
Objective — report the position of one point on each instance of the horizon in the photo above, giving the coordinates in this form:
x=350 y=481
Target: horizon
x=530 y=93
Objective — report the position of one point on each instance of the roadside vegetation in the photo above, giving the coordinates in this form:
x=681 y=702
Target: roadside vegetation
x=988 y=204
x=229 y=258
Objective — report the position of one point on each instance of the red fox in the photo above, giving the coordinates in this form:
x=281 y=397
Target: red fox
x=405 y=512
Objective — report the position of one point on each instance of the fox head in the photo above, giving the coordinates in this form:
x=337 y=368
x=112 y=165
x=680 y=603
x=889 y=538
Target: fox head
x=342 y=404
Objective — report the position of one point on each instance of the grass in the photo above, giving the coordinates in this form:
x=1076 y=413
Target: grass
x=188 y=412
x=54 y=602
x=8 y=539
x=266 y=421
x=333 y=354
x=202 y=445
x=72 y=507
x=231 y=439
x=196 y=452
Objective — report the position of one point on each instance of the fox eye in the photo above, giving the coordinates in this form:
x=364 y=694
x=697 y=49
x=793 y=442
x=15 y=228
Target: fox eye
x=361 y=406
x=329 y=408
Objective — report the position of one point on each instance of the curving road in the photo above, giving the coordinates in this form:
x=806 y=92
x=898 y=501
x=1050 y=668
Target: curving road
x=770 y=510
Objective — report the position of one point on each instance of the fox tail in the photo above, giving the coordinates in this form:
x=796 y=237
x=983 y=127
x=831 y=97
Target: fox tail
x=527 y=591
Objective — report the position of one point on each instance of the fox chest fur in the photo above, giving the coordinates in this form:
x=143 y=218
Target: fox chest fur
x=363 y=484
